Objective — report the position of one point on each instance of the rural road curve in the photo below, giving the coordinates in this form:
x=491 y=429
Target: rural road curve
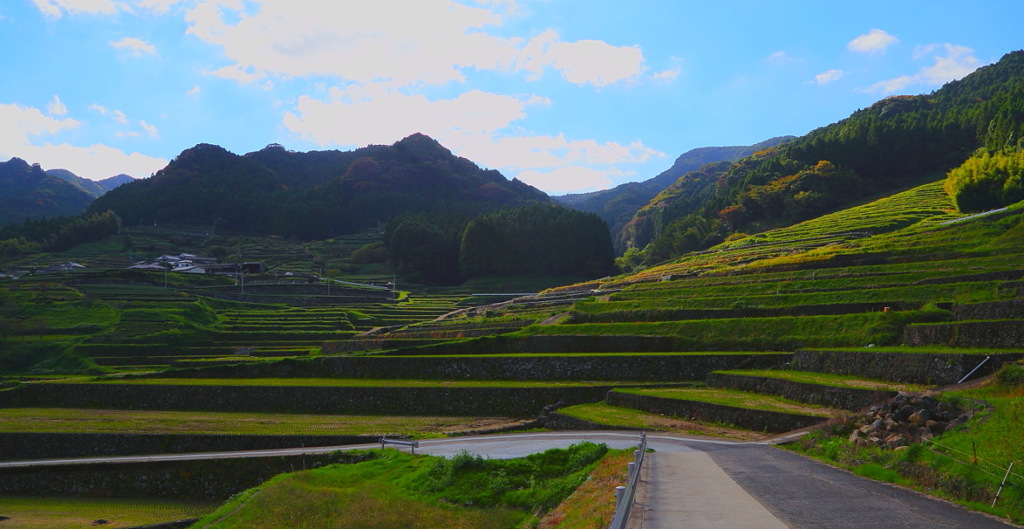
x=700 y=483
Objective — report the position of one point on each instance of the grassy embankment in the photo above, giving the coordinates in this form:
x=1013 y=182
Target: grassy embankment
x=966 y=466
x=400 y=490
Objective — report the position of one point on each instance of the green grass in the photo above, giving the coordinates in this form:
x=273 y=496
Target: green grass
x=737 y=399
x=613 y=416
x=400 y=490
x=826 y=379
x=772 y=333
x=66 y=420
x=81 y=513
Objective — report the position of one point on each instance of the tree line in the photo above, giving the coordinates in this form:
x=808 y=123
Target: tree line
x=55 y=234
x=535 y=239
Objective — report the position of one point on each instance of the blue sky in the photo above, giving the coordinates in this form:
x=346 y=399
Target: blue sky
x=567 y=95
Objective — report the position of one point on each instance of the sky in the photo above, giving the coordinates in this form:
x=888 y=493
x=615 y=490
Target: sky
x=566 y=95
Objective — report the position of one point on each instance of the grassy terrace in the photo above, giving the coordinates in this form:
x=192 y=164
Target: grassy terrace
x=588 y=355
x=774 y=333
x=65 y=420
x=76 y=513
x=838 y=278
x=806 y=292
x=608 y=415
x=738 y=399
x=341 y=383
x=825 y=379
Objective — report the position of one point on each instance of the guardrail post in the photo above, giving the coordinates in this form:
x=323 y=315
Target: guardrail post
x=624 y=495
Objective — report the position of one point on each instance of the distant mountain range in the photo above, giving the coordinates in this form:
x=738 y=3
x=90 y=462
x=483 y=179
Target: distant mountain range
x=618 y=205
x=96 y=188
x=27 y=191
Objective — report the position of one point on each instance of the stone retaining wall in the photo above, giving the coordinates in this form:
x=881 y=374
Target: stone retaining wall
x=993 y=310
x=762 y=420
x=914 y=368
x=558 y=421
x=199 y=480
x=402 y=401
x=822 y=395
x=981 y=334
x=24 y=445
x=636 y=368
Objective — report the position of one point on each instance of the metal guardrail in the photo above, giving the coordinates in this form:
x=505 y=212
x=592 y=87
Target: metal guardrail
x=624 y=496
x=413 y=445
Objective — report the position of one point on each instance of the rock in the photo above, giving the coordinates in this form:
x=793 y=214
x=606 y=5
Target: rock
x=919 y=417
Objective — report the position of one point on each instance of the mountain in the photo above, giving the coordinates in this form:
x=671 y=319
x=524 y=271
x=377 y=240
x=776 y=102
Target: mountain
x=95 y=188
x=617 y=206
x=314 y=194
x=898 y=142
x=26 y=191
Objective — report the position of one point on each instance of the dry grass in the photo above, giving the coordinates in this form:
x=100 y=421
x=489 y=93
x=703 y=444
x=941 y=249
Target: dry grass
x=592 y=505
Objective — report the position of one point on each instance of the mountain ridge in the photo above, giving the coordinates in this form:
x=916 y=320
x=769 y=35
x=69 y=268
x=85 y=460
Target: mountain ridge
x=316 y=194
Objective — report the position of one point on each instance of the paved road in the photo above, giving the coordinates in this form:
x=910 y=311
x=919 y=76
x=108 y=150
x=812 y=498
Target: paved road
x=707 y=484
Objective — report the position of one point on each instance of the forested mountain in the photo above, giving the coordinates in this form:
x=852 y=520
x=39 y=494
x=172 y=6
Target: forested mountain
x=95 y=188
x=26 y=191
x=896 y=143
x=315 y=194
x=617 y=206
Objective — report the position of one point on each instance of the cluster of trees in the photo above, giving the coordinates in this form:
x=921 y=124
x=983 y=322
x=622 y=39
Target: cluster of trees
x=892 y=145
x=536 y=239
x=988 y=180
x=314 y=195
x=55 y=234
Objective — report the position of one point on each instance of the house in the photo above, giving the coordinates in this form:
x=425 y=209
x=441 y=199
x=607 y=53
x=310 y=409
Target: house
x=63 y=267
x=142 y=265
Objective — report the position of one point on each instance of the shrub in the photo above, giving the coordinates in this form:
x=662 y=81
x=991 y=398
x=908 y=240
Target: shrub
x=987 y=181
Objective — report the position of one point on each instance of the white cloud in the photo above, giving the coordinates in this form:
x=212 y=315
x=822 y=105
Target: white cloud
x=56 y=8
x=158 y=6
x=22 y=123
x=433 y=42
x=119 y=117
x=477 y=125
x=94 y=162
x=194 y=90
x=957 y=63
x=25 y=126
x=136 y=47
x=781 y=57
x=569 y=179
x=150 y=129
x=874 y=41
x=828 y=77
x=667 y=75
x=582 y=62
x=377 y=113
x=56 y=107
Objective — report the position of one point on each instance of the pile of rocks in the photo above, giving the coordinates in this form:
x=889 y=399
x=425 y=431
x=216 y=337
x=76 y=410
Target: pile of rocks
x=906 y=419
